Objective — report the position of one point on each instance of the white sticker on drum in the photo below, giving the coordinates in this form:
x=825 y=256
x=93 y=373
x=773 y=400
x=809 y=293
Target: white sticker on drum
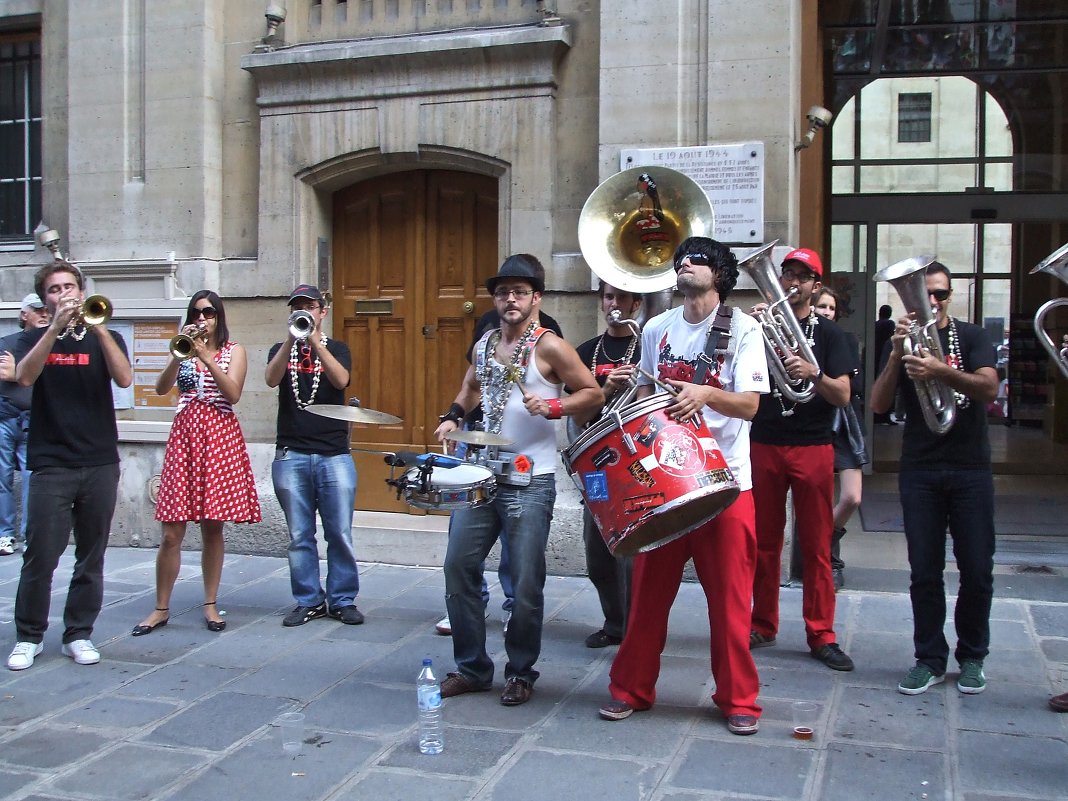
x=649 y=462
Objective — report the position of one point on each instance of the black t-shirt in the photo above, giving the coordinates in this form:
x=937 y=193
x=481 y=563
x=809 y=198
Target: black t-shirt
x=301 y=430
x=812 y=422
x=610 y=354
x=73 y=410
x=19 y=397
x=966 y=446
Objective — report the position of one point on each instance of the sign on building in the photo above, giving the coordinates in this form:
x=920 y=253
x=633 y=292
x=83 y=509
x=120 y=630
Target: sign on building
x=732 y=176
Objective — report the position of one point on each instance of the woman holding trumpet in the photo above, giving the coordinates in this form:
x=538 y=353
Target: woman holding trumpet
x=207 y=476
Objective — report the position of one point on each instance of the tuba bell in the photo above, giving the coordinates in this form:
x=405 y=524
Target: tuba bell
x=1056 y=264
x=937 y=400
x=632 y=223
x=783 y=335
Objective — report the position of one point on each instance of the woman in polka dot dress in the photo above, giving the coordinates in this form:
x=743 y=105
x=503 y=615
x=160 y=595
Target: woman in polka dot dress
x=207 y=477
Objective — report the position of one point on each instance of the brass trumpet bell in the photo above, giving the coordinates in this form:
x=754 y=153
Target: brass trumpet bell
x=183 y=346
x=96 y=310
x=629 y=233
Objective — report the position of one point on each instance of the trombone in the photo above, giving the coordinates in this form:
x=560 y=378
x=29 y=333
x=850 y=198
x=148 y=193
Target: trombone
x=183 y=346
x=95 y=310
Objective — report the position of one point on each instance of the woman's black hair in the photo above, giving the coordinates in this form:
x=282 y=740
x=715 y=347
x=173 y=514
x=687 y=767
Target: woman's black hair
x=222 y=333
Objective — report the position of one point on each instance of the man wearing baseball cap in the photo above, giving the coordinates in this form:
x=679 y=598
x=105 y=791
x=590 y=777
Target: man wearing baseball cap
x=792 y=449
x=313 y=466
x=15 y=427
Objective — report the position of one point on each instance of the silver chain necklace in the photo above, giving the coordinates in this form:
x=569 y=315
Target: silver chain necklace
x=497 y=379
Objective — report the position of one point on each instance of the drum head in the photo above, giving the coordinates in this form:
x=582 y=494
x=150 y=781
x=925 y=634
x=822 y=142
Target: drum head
x=462 y=475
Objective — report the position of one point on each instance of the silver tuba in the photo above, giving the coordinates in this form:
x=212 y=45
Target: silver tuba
x=783 y=335
x=301 y=324
x=937 y=400
x=1056 y=264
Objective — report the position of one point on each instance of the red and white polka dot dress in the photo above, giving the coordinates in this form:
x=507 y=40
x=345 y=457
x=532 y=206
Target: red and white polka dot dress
x=206 y=470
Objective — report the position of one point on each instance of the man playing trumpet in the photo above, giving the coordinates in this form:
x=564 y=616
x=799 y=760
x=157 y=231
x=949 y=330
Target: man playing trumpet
x=945 y=479
x=792 y=449
x=73 y=451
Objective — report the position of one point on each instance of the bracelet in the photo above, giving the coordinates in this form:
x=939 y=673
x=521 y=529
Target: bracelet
x=456 y=413
x=819 y=376
x=556 y=408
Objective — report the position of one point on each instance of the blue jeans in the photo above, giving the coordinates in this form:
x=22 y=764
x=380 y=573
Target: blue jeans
x=13 y=433
x=303 y=483
x=524 y=513
x=963 y=500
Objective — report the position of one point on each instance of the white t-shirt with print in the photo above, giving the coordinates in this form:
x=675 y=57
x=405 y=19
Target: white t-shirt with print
x=670 y=347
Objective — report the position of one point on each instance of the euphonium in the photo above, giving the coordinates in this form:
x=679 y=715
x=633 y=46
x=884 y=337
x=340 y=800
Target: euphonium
x=183 y=346
x=1056 y=264
x=95 y=310
x=301 y=323
x=937 y=400
x=783 y=335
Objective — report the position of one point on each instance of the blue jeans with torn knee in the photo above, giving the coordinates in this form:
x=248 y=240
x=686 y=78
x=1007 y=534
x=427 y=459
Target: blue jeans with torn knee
x=524 y=513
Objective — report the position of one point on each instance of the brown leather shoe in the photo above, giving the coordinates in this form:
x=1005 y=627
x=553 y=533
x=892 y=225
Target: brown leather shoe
x=516 y=692
x=458 y=684
x=1059 y=703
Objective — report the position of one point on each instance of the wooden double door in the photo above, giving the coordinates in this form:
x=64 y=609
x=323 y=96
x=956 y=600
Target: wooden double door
x=412 y=252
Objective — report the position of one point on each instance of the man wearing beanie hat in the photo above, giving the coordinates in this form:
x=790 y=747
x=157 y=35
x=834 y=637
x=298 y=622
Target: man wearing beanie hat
x=792 y=449
x=517 y=375
x=15 y=427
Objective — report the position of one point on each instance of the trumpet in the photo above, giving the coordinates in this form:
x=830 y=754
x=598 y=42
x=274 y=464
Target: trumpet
x=938 y=402
x=95 y=310
x=301 y=324
x=783 y=335
x=1056 y=264
x=183 y=346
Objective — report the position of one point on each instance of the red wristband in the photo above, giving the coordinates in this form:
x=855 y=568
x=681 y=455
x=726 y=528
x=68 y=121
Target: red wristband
x=556 y=408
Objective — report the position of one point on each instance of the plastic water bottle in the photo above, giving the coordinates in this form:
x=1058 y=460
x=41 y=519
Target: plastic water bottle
x=431 y=734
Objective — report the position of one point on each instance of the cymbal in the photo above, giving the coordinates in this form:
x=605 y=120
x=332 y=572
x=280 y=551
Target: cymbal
x=352 y=414
x=477 y=438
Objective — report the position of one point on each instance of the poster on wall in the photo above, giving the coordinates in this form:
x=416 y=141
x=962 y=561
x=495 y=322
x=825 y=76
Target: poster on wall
x=732 y=176
x=151 y=352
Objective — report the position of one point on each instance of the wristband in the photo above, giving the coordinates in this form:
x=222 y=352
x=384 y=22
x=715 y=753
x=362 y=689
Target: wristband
x=556 y=408
x=456 y=413
x=819 y=376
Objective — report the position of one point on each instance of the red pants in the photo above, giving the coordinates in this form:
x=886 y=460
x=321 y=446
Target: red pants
x=723 y=551
x=809 y=471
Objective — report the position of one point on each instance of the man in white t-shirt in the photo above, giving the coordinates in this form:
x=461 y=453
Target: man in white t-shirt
x=724 y=385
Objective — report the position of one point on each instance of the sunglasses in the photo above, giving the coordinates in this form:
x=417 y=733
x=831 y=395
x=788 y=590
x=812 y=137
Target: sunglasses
x=696 y=259
x=939 y=294
x=207 y=312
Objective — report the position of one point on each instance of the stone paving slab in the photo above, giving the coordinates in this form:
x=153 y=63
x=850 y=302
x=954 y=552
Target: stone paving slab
x=195 y=711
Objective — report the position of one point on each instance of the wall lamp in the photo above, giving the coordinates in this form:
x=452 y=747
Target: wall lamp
x=818 y=117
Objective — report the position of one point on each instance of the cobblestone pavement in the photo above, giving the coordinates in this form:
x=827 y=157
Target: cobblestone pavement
x=187 y=714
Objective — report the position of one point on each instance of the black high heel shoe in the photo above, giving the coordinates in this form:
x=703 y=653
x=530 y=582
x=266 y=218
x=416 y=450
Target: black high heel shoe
x=214 y=625
x=142 y=629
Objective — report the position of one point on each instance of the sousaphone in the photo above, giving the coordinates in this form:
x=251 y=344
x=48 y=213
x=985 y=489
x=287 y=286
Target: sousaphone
x=631 y=224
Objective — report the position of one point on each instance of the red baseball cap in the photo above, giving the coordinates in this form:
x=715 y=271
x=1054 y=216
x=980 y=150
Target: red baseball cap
x=809 y=258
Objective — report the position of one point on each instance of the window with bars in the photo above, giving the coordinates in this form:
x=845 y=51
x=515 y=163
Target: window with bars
x=914 y=117
x=20 y=135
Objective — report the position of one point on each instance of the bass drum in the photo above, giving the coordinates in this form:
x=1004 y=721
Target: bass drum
x=651 y=481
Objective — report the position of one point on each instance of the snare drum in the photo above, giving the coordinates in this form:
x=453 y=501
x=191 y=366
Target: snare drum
x=462 y=486
x=648 y=479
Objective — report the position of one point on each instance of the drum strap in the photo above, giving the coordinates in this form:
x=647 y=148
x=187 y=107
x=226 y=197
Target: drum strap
x=719 y=335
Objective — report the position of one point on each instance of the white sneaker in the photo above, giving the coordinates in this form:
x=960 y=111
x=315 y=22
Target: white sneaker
x=23 y=654
x=7 y=546
x=83 y=652
x=443 y=626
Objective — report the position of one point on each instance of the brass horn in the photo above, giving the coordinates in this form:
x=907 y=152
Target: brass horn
x=937 y=400
x=631 y=224
x=95 y=310
x=1056 y=264
x=301 y=324
x=183 y=346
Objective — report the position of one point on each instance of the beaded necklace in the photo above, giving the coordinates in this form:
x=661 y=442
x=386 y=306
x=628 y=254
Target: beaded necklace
x=809 y=329
x=294 y=365
x=600 y=348
x=954 y=360
x=497 y=379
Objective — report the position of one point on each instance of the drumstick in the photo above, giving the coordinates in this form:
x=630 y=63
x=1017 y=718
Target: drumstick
x=513 y=375
x=666 y=387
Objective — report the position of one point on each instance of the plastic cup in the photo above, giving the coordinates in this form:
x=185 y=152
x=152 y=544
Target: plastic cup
x=805 y=715
x=292 y=726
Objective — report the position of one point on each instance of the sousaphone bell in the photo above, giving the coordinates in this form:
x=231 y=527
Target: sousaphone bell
x=632 y=223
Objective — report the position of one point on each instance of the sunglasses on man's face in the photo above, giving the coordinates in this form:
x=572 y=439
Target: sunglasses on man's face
x=207 y=312
x=939 y=294
x=696 y=259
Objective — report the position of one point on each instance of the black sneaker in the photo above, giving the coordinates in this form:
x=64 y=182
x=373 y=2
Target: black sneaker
x=349 y=615
x=833 y=656
x=302 y=614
